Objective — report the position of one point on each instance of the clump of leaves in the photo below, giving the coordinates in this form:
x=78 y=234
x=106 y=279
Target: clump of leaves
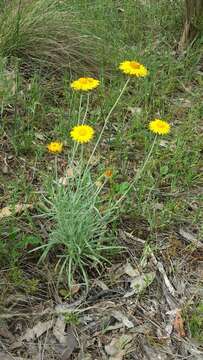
x=71 y=318
x=31 y=286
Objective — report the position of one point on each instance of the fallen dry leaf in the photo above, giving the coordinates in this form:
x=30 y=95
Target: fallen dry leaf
x=64 y=179
x=179 y=324
x=163 y=143
x=118 y=347
x=5 y=333
x=190 y=238
x=70 y=172
x=130 y=271
x=4 y=356
x=140 y=283
x=135 y=110
x=153 y=353
x=82 y=356
x=9 y=210
x=101 y=284
x=66 y=338
x=66 y=307
x=164 y=275
x=118 y=356
x=59 y=330
x=122 y=318
x=74 y=289
x=5 y=169
x=71 y=344
x=40 y=136
x=37 y=330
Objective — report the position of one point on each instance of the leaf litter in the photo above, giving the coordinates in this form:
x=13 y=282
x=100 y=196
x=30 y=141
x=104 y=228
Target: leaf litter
x=9 y=210
x=133 y=312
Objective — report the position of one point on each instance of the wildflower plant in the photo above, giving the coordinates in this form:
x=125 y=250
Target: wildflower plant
x=81 y=235
x=55 y=147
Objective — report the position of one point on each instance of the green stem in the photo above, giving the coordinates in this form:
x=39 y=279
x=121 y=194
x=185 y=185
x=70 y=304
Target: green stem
x=81 y=156
x=75 y=146
x=17 y=30
x=80 y=108
x=138 y=174
x=97 y=192
x=18 y=23
x=106 y=121
x=86 y=110
x=56 y=168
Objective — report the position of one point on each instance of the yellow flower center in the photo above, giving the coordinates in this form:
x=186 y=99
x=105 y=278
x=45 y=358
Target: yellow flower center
x=135 y=65
x=85 y=81
x=82 y=132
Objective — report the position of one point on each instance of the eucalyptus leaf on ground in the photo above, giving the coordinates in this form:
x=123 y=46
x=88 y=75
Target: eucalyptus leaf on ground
x=39 y=329
x=9 y=210
x=118 y=347
x=122 y=318
x=138 y=281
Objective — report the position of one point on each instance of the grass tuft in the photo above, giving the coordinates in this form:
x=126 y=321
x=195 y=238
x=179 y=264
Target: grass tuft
x=41 y=35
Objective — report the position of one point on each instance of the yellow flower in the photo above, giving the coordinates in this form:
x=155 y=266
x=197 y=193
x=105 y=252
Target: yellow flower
x=108 y=173
x=133 y=68
x=55 y=147
x=85 y=84
x=82 y=133
x=159 y=127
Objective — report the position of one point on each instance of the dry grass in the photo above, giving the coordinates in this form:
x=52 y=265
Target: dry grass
x=39 y=33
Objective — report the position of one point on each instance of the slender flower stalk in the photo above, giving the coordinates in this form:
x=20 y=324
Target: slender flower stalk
x=56 y=168
x=80 y=108
x=106 y=121
x=76 y=143
x=137 y=176
x=86 y=110
x=75 y=146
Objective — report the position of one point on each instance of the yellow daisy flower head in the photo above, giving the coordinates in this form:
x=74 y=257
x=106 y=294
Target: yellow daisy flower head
x=82 y=133
x=133 y=68
x=108 y=173
x=55 y=147
x=160 y=127
x=85 y=84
